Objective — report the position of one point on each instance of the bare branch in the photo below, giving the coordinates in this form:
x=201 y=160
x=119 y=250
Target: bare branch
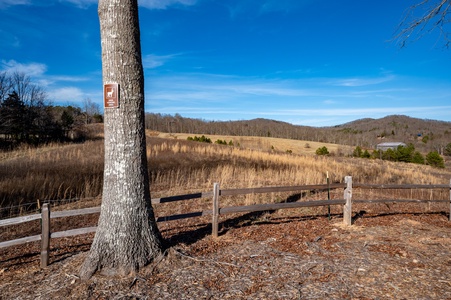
x=424 y=17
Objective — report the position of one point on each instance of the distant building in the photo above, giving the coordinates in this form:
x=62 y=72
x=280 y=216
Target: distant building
x=390 y=145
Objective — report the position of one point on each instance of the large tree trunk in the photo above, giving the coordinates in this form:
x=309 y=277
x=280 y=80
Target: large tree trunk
x=127 y=237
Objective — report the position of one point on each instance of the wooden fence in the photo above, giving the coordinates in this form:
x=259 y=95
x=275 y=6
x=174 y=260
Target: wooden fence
x=216 y=210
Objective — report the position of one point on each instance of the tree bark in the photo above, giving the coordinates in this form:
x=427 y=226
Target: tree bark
x=127 y=237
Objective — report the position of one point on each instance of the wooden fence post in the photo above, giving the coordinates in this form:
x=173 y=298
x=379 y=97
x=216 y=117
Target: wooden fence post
x=450 y=199
x=215 y=219
x=347 y=209
x=45 y=235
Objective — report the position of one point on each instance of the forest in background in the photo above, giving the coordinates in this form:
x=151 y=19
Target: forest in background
x=28 y=117
x=424 y=135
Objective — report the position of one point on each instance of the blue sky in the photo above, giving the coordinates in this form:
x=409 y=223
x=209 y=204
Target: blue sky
x=316 y=63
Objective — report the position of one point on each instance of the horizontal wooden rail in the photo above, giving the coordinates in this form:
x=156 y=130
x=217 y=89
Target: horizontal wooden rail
x=184 y=216
x=18 y=220
x=182 y=197
x=278 y=189
x=56 y=214
x=20 y=241
x=276 y=206
x=73 y=232
x=401 y=186
x=397 y=201
x=75 y=212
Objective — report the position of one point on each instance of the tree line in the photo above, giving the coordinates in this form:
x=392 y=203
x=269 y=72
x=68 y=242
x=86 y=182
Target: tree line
x=26 y=115
x=405 y=154
x=425 y=135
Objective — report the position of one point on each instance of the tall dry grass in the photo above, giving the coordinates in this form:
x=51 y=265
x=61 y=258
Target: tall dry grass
x=238 y=167
x=178 y=167
x=235 y=167
x=51 y=172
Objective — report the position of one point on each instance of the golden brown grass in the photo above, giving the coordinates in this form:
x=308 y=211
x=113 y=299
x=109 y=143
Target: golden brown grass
x=51 y=172
x=178 y=166
x=269 y=143
x=237 y=167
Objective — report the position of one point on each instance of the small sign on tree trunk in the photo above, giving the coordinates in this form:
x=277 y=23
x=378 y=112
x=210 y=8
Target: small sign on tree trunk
x=111 y=95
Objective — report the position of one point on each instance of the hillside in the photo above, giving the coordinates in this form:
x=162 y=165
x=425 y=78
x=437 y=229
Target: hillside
x=426 y=135
x=270 y=144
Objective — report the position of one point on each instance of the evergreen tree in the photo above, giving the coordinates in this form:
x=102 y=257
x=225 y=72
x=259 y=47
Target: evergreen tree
x=435 y=160
x=12 y=123
x=322 y=151
x=389 y=155
x=365 y=154
x=357 y=152
x=405 y=154
x=418 y=158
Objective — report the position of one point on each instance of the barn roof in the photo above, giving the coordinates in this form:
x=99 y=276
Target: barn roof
x=391 y=144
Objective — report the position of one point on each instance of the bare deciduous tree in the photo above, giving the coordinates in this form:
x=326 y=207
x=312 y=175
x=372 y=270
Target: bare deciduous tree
x=90 y=109
x=425 y=17
x=127 y=237
x=5 y=86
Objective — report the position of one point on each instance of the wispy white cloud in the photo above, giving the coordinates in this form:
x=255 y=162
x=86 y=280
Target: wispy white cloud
x=48 y=81
x=362 y=81
x=328 y=101
x=164 y=4
x=255 y=8
x=38 y=72
x=265 y=89
x=81 y=3
x=31 y=69
x=67 y=94
x=364 y=111
x=7 y=3
x=213 y=86
x=69 y=78
x=314 y=121
x=152 y=61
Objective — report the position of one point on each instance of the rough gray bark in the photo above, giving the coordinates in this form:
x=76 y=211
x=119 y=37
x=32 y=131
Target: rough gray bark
x=127 y=237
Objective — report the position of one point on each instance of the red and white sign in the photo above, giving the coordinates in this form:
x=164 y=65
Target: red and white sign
x=111 y=95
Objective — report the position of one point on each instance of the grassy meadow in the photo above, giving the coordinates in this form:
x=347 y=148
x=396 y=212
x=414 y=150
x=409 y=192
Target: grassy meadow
x=271 y=144
x=178 y=166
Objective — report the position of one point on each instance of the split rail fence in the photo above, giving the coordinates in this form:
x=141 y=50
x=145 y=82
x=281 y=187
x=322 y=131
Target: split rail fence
x=216 y=210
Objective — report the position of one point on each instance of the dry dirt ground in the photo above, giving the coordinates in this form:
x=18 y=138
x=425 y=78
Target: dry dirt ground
x=277 y=255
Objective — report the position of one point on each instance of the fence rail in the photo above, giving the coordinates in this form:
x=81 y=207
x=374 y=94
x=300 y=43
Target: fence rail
x=216 y=210
x=276 y=206
x=401 y=186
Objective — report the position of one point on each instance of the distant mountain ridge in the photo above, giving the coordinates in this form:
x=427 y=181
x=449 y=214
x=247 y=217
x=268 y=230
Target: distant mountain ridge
x=396 y=119
x=424 y=134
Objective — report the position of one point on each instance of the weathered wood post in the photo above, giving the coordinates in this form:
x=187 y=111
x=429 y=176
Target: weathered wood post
x=45 y=235
x=215 y=219
x=347 y=209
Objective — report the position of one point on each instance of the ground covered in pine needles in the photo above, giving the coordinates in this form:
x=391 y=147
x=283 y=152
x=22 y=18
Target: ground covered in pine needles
x=272 y=255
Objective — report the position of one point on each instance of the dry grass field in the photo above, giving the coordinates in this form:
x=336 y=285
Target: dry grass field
x=178 y=166
x=392 y=251
x=270 y=144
